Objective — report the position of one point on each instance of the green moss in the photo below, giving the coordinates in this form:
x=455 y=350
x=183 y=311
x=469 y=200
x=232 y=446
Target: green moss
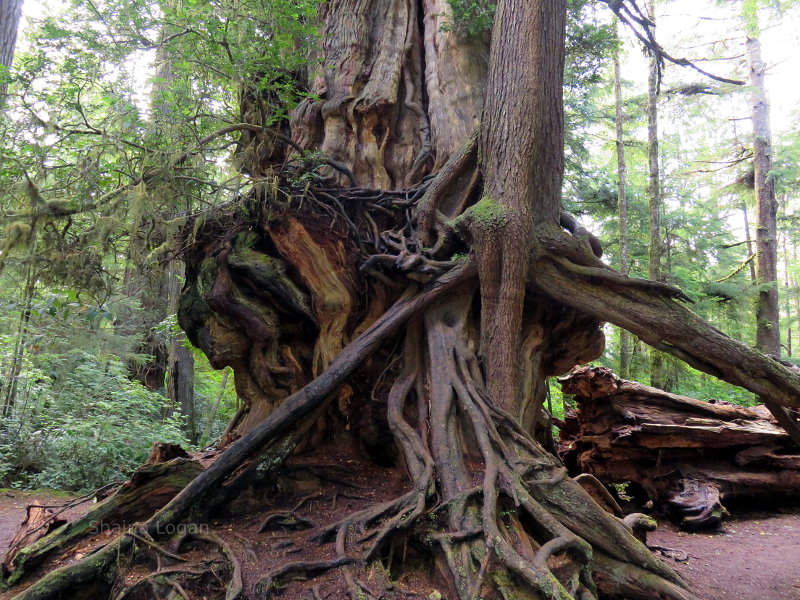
x=650 y=522
x=245 y=240
x=488 y=213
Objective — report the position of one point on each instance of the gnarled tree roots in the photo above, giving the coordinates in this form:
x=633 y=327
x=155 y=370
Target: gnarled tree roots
x=303 y=292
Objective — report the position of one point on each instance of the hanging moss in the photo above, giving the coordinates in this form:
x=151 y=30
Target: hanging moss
x=18 y=234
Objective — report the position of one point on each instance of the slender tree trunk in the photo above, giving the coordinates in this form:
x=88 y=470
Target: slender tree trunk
x=658 y=366
x=20 y=345
x=212 y=414
x=787 y=294
x=747 y=237
x=767 y=311
x=10 y=14
x=180 y=362
x=795 y=291
x=622 y=203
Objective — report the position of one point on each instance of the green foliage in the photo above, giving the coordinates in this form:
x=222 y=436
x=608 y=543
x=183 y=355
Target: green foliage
x=488 y=213
x=84 y=140
x=84 y=424
x=471 y=18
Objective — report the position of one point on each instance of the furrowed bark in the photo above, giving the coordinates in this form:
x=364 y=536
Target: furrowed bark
x=523 y=169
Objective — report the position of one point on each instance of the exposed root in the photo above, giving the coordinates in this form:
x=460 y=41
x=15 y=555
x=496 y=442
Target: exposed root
x=270 y=583
x=571 y=224
x=200 y=577
x=610 y=277
x=148 y=541
x=286 y=415
x=235 y=586
x=431 y=212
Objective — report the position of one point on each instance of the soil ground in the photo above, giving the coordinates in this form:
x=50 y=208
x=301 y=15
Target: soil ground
x=12 y=509
x=755 y=556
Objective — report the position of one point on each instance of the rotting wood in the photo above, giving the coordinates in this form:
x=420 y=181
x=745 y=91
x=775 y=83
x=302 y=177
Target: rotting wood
x=689 y=456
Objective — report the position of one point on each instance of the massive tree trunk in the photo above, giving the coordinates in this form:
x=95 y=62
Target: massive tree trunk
x=412 y=311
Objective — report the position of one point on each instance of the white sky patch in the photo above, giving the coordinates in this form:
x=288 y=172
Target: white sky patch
x=686 y=29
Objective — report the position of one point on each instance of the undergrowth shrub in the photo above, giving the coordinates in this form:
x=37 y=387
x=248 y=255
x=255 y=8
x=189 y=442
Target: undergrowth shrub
x=83 y=424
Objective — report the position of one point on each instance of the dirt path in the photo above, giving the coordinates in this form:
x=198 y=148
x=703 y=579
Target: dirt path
x=12 y=509
x=754 y=557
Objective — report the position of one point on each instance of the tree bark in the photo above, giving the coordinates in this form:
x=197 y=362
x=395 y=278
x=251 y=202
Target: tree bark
x=767 y=311
x=10 y=15
x=622 y=203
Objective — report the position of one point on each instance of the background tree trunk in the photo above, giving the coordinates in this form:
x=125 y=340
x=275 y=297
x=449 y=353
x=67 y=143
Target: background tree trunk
x=10 y=15
x=180 y=361
x=622 y=204
x=768 y=339
x=749 y=240
x=767 y=312
x=11 y=383
x=658 y=364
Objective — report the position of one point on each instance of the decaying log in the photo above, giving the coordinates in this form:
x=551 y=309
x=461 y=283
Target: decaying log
x=690 y=456
x=149 y=488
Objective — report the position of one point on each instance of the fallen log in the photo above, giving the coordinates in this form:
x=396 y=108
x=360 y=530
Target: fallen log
x=150 y=488
x=688 y=455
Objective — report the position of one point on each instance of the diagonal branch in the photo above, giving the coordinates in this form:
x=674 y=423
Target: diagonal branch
x=670 y=326
x=60 y=582
x=631 y=15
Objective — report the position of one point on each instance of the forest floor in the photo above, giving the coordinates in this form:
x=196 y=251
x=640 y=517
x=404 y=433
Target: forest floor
x=14 y=502
x=754 y=556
